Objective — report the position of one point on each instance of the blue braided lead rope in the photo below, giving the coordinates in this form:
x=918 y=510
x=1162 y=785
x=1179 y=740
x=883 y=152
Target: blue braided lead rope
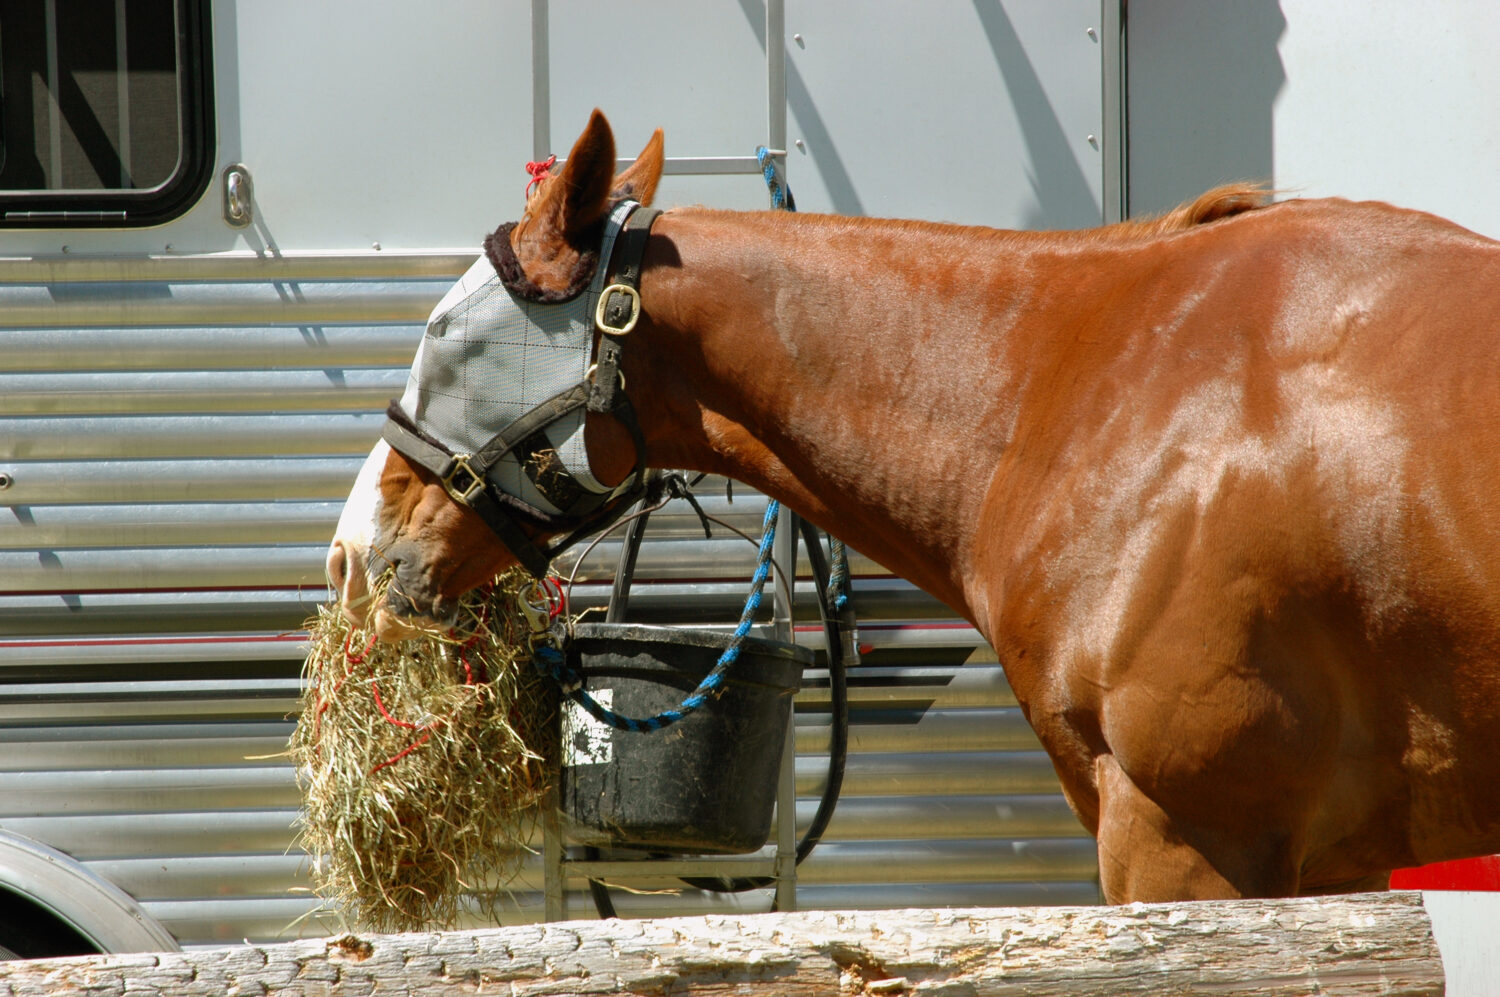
x=838 y=575
x=551 y=661
x=781 y=194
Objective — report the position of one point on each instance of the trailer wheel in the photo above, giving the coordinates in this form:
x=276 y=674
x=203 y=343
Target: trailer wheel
x=53 y=905
x=29 y=931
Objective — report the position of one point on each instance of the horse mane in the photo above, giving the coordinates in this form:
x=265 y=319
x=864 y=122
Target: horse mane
x=1210 y=206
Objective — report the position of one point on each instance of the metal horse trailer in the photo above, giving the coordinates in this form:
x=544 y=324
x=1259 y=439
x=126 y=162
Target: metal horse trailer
x=222 y=226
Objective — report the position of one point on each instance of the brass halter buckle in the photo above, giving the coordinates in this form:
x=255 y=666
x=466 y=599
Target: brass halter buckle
x=601 y=318
x=461 y=481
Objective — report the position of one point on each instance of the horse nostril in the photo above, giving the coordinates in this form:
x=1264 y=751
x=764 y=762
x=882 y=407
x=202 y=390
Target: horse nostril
x=337 y=567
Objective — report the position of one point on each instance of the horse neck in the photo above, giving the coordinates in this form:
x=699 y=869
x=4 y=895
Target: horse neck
x=833 y=364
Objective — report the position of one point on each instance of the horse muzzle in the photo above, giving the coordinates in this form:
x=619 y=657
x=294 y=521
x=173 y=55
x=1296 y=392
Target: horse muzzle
x=394 y=614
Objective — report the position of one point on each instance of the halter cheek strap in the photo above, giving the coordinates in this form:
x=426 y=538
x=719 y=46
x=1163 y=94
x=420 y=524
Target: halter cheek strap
x=465 y=477
x=619 y=309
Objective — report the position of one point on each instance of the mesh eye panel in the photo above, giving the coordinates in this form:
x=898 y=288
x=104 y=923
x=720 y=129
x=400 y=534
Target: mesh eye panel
x=488 y=358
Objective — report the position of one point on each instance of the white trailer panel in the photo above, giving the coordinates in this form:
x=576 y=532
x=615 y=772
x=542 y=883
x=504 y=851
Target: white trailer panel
x=1389 y=100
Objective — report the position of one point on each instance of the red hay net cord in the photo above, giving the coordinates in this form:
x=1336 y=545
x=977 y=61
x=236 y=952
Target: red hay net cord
x=375 y=688
x=321 y=706
x=555 y=600
x=466 y=646
x=402 y=753
x=396 y=721
x=550 y=587
x=358 y=659
x=539 y=172
x=474 y=638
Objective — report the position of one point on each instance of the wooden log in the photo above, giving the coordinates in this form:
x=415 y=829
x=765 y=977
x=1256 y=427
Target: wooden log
x=1362 y=944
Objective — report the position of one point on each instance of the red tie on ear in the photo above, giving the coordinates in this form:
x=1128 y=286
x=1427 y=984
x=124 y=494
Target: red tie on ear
x=538 y=171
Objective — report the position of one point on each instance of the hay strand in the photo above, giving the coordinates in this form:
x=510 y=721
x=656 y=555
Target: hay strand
x=421 y=762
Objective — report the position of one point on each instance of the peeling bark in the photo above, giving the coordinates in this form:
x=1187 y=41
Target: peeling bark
x=1362 y=944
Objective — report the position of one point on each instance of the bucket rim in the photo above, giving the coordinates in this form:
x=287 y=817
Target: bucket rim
x=718 y=640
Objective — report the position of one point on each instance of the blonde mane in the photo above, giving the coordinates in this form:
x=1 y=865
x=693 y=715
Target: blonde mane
x=1210 y=206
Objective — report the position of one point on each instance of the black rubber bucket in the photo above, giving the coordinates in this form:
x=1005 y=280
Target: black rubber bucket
x=704 y=785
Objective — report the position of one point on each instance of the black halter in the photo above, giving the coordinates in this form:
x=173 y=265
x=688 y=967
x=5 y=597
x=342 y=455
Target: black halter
x=465 y=477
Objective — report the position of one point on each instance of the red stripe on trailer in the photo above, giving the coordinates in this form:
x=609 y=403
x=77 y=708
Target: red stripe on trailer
x=23 y=644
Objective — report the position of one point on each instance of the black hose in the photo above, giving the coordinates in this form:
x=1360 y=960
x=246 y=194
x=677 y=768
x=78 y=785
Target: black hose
x=836 y=624
x=619 y=595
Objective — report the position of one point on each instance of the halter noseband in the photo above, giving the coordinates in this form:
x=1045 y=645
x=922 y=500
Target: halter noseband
x=582 y=509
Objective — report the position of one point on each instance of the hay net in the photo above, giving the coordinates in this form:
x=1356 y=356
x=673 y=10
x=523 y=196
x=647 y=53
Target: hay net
x=422 y=763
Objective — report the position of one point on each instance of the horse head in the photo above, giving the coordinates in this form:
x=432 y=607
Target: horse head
x=404 y=514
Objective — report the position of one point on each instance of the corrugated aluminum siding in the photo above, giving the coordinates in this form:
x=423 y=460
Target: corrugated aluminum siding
x=180 y=434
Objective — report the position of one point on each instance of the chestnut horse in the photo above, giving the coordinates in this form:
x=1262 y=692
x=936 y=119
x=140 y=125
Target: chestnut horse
x=1222 y=490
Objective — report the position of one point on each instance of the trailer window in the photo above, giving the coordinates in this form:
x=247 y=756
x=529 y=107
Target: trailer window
x=106 y=113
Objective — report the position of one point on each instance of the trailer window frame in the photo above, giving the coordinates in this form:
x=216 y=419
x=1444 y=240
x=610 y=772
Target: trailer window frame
x=117 y=206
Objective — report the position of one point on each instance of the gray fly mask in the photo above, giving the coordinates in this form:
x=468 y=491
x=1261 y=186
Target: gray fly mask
x=501 y=386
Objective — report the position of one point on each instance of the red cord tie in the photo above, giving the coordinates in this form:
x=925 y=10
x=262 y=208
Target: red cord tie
x=358 y=658
x=387 y=713
x=555 y=600
x=424 y=729
x=539 y=172
x=402 y=753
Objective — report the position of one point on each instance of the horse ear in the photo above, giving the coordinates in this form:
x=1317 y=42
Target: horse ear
x=579 y=196
x=554 y=241
x=639 y=181
x=567 y=208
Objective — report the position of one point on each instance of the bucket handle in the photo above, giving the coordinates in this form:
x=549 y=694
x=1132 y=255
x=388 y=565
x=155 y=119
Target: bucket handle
x=550 y=659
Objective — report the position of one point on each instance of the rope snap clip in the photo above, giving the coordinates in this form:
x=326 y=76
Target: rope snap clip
x=535 y=605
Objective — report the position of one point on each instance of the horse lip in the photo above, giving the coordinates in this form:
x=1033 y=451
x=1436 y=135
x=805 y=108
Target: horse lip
x=355 y=618
x=390 y=628
x=399 y=616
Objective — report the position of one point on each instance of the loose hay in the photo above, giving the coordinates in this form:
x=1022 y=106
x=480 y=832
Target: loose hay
x=421 y=762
